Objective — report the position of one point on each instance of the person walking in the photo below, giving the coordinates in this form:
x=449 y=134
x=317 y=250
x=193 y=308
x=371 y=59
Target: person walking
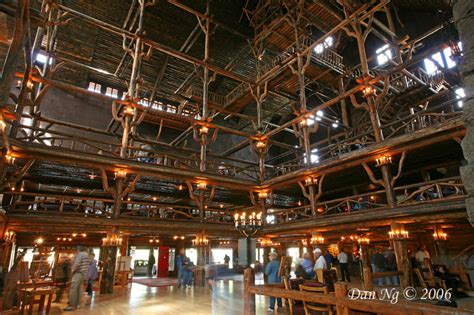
x=180 y=267
x=271 y=270
x=79 y=269
x=92 y=274
x=320 y=264
x=344 y=266
x=151 y=264
x=378 y=265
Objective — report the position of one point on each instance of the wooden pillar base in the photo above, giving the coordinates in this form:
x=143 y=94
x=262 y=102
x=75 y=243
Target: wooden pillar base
x=109 y=259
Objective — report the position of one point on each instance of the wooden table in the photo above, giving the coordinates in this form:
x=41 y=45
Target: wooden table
x=28 y=296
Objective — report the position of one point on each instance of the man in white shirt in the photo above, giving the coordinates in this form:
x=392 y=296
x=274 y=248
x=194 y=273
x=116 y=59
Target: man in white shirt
x=422 y=254
x=343 y=264
x=320 y=263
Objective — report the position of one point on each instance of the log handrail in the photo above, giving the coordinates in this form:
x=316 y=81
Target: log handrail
x=340 y=299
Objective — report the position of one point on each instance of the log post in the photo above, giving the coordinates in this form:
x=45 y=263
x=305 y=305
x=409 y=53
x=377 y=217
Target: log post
x=249 y=298
x=403 y=260
x=124 y=246
x=366 y=268
x=341 y=292
x=109 y=259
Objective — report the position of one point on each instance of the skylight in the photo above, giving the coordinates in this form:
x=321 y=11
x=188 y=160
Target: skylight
x=384 y=54
x=328 y=42
x=460 y=94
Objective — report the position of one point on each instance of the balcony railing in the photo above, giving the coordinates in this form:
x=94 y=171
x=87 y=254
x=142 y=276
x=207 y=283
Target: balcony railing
x=426 y=192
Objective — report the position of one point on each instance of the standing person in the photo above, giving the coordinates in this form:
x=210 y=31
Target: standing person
x=11 y=279
x=151 y=264
x=79 y=269
x=63 y=274
x=421 y=255
x=391 y=265
x=378 y=264
x=188 y=276
x=271 y=270
x=226 y=260
x=320 y=264
x=92 y=274
x=343 y=264
x=329 y=259
x=179 y=267
x=307 y=265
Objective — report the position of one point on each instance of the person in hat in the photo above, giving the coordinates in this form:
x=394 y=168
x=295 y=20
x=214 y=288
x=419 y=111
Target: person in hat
x=320 y=264
x=271 y=270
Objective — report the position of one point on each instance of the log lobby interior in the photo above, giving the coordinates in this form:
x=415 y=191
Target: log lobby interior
x=228 y=130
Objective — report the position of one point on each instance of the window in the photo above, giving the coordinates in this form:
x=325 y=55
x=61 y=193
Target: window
x=328 y=42
x=430 y=66
x=42 y=58
x=94 y=87
x=314 y=156
x=270 y=219
x=460 y=94
x=384 y=54
x=442 y=58
x=111 y=92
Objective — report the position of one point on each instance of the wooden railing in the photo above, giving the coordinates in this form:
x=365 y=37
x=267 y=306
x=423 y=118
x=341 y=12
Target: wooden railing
x=95 y=207
x=94 y=141
x=444 y=189
x=340 y=299
x=361 y=137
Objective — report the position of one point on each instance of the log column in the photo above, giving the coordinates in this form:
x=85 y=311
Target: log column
x=249 y=298
x=199 y=275
x=402 y=257
x=124 y=246
x=109 y=259
x=464 y=22
x=366 y=267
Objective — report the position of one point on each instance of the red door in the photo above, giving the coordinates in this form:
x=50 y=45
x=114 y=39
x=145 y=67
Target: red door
x=163 y=261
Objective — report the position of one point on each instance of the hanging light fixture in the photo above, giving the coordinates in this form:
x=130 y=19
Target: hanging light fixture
x=262 y=194
x=112 y=239
x=311 y=180
x=154 y=240
x=398 y=234
x=9 y=158
x=120 y=174
x=384 y=159
x=201 y=240
x=439 y=235
x=266 y=242
x=363 y=240
x=204 y=130
x=9 y=236
x=316 y=239
x=129 y=110
x=248 y=224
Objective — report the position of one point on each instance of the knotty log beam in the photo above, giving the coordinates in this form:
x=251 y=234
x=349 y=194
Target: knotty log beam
x=453 y=208
x=14 y=51
x=344 y=302
x=249 y=297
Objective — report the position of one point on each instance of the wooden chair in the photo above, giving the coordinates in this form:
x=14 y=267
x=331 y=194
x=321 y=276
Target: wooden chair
x=429 y=283
x=295 y=308
x=309 y=307
x=320 y=275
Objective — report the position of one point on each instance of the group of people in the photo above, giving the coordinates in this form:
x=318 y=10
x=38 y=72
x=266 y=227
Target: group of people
x=185 y=268
x=307 y=269
x=384 y=260
x=84 y=268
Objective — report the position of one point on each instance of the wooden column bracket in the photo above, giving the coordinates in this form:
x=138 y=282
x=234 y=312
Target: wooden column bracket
x=380 y=182
x=310 y=194
x=12 y=179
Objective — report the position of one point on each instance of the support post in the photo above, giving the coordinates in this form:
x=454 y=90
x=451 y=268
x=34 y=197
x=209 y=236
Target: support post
x=463 y=19
x=340 y=289
x=249 y=298
x=401 y=255
x=109 y=259
x=366 y=267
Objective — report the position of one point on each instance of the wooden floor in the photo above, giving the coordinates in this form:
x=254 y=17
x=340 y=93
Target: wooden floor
x=225 y=298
